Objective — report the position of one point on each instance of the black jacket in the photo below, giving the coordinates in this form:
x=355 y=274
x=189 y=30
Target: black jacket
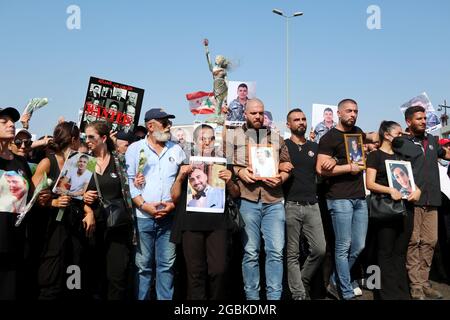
x=424 y=165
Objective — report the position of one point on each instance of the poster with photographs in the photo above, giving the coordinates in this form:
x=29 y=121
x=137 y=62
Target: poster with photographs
x=400 y=177
x=117 y=104
x=354 y=150
x=263 y=161
x=206 y=191
x=324 y=117
x=14 y=190
x=238 y=91
x=433 y=120
x=75 y=175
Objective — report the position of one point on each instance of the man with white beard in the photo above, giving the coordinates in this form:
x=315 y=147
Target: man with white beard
x=152 y=168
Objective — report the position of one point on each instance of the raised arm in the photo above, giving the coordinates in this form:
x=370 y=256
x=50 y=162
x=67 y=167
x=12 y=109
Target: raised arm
x=208 y=58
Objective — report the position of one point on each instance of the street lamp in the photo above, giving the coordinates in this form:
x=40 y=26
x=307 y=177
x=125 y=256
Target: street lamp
x=296 y=14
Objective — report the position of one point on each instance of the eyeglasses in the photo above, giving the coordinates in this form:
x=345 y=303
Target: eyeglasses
x=26 y=142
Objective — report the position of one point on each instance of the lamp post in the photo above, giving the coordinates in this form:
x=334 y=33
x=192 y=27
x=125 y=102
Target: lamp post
x=296 y=14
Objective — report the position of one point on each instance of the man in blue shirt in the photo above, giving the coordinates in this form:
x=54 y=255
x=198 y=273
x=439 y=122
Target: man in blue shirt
x=152 y=168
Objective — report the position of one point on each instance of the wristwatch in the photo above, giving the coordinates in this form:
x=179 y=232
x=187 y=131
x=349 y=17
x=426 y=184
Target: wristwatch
x=141 y=205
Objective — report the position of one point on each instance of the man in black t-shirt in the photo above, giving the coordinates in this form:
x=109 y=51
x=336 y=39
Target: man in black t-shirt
x=345 y=198
x=302 y=209
x=423 y=151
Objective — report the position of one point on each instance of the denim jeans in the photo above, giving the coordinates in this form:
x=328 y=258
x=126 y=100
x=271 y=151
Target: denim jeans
x=153 y=248
x=303 y=219
x=350 y=220
x=268 y=219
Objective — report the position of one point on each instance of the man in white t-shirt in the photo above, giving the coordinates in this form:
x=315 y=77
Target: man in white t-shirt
x=80 y=177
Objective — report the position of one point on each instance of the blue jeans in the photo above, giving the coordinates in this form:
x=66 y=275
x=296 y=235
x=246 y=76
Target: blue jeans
x=268 y=219
x=350 y=220
x=154 y=247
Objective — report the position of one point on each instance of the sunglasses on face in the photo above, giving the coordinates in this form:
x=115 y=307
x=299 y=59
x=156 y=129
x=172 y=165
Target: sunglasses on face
x=26 y=142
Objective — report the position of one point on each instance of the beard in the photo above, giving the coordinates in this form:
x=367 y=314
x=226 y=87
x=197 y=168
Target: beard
x=350 y=123
x=300 y=132
x=161 y=136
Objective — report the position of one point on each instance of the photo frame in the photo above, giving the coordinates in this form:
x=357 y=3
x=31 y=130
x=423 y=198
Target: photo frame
x=354 y=150
x=262 y=160
x=205 y=190
x=400 y=176
x=75 y=175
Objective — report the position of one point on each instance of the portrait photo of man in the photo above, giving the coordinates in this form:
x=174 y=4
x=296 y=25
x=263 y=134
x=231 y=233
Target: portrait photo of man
x=204 y=195
x=263 y=162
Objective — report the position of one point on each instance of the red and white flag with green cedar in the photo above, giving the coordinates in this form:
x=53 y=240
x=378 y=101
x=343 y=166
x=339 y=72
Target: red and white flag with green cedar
x=201 y=102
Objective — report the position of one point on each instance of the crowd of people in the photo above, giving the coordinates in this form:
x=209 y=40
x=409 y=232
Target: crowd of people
x=309 y=228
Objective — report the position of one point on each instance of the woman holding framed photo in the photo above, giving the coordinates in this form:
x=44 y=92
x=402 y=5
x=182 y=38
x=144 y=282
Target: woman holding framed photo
x=392 y=235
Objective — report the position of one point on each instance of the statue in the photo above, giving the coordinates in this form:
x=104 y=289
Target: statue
x=219 y=72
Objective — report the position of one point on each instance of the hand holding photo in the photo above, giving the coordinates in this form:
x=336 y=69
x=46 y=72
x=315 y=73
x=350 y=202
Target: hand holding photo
x=400 y=177
x=354 y=150
x=262 y=161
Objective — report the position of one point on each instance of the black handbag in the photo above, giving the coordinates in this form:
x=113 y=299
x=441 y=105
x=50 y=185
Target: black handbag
x=383 y=208
x=235 y=221
x=115 y=212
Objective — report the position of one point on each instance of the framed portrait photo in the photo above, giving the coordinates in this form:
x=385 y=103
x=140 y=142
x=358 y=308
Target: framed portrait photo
x=205 y=190
x=400 y=177
x=263 y=161
x=354 y=149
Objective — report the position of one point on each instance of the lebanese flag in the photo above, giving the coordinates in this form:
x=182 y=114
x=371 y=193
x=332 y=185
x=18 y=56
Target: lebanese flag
x=201 y=102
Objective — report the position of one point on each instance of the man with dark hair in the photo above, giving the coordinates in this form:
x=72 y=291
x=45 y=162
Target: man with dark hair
x=95 y=93
x=346 y=198
x=80 y=177
x=326 y=125
x=237 y=106
x=422 y=150
x=302 y=209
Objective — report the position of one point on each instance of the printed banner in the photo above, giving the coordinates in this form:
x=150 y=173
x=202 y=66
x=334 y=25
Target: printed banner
x=116 y=103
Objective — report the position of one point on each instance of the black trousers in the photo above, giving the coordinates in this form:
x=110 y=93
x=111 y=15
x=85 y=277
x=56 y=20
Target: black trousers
x=109 y=263
x=392 y=245
x=206 y=256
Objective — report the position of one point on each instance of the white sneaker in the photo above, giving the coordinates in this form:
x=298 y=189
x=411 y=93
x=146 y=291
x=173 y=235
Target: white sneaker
x=357 y=291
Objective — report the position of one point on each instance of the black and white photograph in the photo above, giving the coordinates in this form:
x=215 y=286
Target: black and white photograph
x=106 y=92
x=94 y=91
x=206 y=191
x=119 y=94
x=400 y=177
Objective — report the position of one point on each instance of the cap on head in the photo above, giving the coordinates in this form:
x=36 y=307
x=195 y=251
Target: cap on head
x=444 y=142
x=9 y=111
x=157 y=113
x=25 y=131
